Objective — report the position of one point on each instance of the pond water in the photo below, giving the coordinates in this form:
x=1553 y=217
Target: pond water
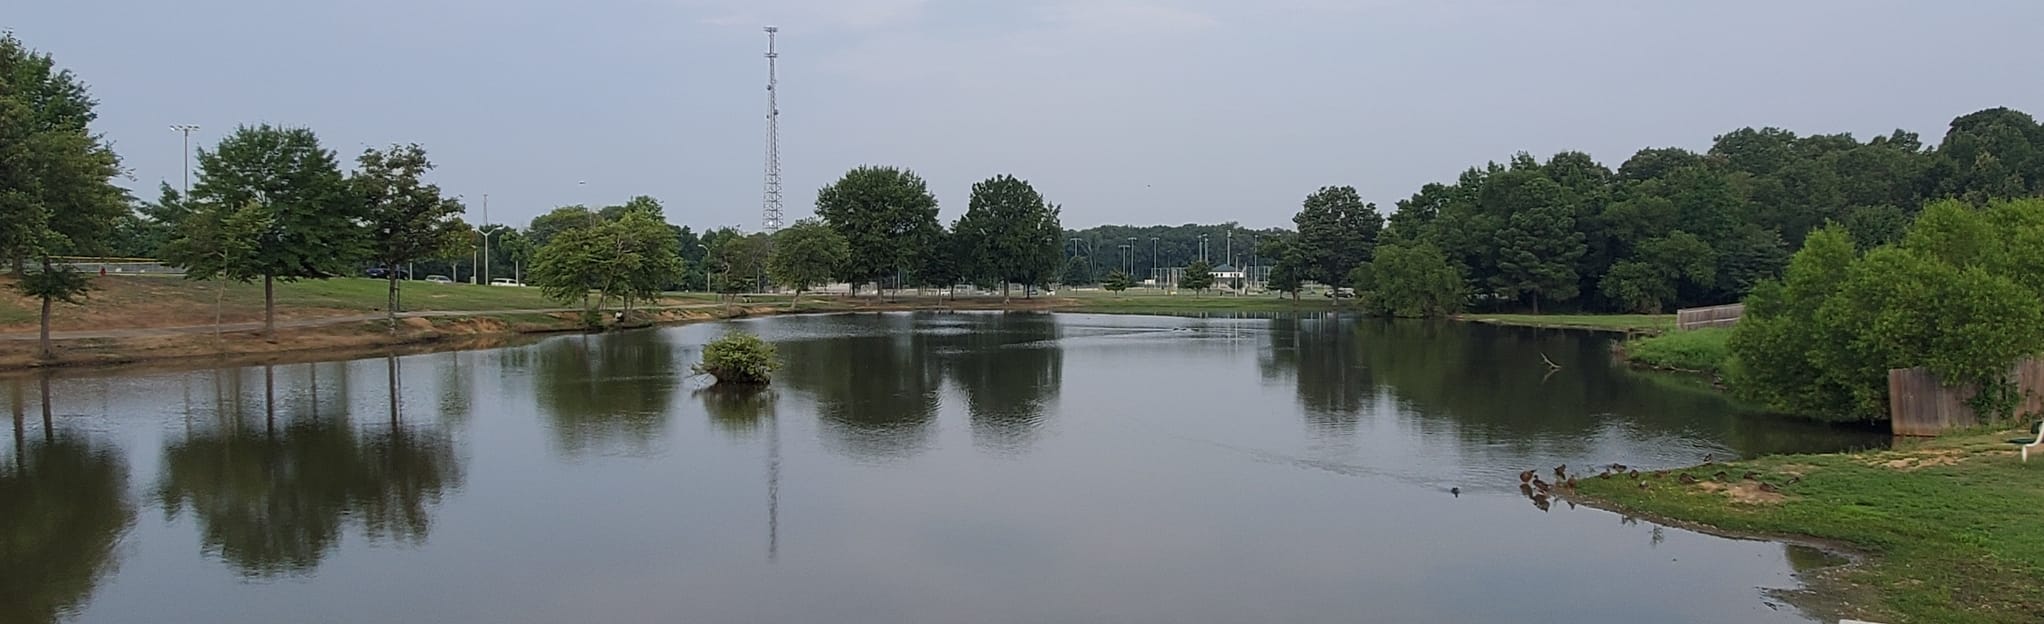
x=925 y=467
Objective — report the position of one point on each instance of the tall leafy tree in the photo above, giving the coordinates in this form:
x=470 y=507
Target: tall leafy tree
x=313 y=223
x=1413 y=280
x=1537 y=250
x=804 y=255
x=942 y=267
x=408 y=219
x=1337 y=232
x=1010 y=234
x=56 y=178
x=544 y=227
x=887 y=216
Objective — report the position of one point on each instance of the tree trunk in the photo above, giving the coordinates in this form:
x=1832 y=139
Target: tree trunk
x=48 y=354
x=269 y=307
x=1004 y=291
x=1536 y=303
x=393 y=301
x=796 y=298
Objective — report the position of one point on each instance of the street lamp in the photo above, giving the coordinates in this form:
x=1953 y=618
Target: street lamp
x=1131 y=255
x=187 y=130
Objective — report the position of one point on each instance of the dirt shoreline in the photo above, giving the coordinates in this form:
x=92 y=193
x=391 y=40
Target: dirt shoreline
x=352 y=338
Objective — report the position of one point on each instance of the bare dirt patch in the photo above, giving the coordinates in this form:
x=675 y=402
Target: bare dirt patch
x=1919 y=459
x=1743 y=492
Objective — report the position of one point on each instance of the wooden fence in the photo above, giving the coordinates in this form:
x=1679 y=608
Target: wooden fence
x=1918 y=405
x=1714 y=316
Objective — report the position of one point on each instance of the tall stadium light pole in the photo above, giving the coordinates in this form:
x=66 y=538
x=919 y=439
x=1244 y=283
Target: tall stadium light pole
x=1131 y=255
x=770 y=202
x=486 y=238
x=1156 y=277
x=187 y=130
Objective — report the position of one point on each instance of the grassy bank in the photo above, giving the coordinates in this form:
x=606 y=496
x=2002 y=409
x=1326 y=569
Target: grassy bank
x=1628 y=323
x=1951 y=527
x=1702 y=351
x=119 y=302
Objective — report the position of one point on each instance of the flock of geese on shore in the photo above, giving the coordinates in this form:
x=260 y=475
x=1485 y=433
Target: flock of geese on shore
x=1541 y=492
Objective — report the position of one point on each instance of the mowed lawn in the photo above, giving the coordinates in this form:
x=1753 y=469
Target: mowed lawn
x=134 y=301
x=1952 y=525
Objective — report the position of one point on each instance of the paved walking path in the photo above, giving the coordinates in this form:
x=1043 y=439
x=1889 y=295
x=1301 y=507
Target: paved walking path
x=152 y=332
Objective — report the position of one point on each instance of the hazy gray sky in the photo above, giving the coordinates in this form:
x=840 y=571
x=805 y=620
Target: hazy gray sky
x=1124 y=111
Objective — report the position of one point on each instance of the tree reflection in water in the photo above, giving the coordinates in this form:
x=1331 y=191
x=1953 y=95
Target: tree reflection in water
x=273 y=498
x=65 y=502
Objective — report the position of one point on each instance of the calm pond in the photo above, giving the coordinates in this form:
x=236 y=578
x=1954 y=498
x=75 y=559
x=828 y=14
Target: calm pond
x=922 y=467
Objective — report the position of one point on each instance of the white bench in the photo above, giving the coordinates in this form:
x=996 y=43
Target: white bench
x=2038 y=442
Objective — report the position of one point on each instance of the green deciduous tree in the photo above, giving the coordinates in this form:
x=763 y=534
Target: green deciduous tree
x=312 y=224
x=408 y=219
x=1537 y=250
x=56 y=177
x=1198 y=277
x=741 y=260
x=887 y=217
x=1412 y=280
x=545 y=227
x=1336 y=233
x=1009 y=234
x=806 y=254
x=632 y=258
x=1960 y=296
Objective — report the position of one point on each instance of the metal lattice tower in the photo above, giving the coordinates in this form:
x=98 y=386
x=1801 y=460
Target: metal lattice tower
x=770 y=203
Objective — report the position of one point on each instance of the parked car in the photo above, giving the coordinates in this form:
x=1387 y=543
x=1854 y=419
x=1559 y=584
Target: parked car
x=439 y=279
x=1340 y=293
x=503 y=281
x=382 y=273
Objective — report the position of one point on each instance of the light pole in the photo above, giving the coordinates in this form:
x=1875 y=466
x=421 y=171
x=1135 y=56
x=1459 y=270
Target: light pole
x=486 y=238
x=187 y=130
x=706 y=266
x=1155 y=277
x=489 y=231
x=1202 y=248
x=1131 y=255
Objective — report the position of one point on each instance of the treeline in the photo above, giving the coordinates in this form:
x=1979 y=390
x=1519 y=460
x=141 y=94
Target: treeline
x=1096 y=252
x=1961 y=293
x=1669 y=228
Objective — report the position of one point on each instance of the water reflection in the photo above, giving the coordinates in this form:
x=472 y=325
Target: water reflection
x=606 y=395
x=64 y=498
x=274 y=497
x=1492 y=384
x=878 y=392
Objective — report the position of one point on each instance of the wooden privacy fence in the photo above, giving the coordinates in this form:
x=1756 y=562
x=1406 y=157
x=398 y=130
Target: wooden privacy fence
x=1714 y=316
x=1920 y=406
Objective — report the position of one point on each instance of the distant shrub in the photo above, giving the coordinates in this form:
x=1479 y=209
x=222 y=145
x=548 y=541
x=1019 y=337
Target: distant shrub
x=739 y=358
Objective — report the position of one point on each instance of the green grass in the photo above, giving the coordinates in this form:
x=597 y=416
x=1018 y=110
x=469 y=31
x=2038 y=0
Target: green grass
x=1603 y=322
x=1703 y=350
x=1952 y=527
x=415 y=296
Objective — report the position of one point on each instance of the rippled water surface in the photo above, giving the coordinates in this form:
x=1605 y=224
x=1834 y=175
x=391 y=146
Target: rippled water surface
x=902 y=468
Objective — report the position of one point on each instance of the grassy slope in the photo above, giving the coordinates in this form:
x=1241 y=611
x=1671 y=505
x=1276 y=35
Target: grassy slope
x=1608 y=322
x=1955 y=526
x=1702 y=350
